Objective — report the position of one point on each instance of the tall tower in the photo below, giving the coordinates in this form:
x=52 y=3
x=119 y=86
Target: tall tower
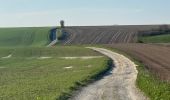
x=62 y=23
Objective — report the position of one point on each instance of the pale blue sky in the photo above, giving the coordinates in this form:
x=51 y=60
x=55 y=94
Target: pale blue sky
x=15 y=13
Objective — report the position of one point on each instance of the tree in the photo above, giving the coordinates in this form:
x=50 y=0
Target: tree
x=62 y=23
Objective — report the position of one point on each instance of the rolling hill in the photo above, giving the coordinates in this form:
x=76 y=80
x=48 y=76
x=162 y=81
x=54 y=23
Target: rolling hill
x=105 y=34
x=10 y=37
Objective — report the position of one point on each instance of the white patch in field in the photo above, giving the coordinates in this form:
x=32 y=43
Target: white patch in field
x=2 y=67
x=82 y=57
x=44 y=57
x=88 y=66
x=9 y=56
x=70 y=67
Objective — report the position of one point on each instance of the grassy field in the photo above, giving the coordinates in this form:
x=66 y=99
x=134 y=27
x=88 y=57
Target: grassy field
x=156 y=39
x=59 y=51
x=153 y=87
x=26 y=76
x=24 y=36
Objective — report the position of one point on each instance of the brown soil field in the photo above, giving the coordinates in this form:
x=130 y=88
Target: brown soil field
x=105 y=34
x=155 y=57
x=162 y=44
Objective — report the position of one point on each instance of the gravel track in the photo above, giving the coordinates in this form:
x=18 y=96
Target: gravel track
x=117 y=84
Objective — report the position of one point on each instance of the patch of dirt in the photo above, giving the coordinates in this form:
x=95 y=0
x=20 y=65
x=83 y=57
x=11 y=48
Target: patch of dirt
x=9 y=56
x=70 y=67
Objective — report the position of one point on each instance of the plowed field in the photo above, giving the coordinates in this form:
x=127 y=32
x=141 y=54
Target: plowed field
x=155 y=57
x=104 y=34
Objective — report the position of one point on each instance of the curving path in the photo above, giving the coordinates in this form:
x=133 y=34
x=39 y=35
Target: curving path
x=118 y=84
x=53 y=37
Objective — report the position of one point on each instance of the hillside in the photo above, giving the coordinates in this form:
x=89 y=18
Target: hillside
x=42 y=36
x=105 y=34
x=10 y=37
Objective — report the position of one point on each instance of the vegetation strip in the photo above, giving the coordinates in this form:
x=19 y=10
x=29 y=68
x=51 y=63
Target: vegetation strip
x=155 y=39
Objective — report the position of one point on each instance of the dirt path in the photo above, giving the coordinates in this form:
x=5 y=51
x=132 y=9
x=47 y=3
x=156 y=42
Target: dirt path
x=118 y=84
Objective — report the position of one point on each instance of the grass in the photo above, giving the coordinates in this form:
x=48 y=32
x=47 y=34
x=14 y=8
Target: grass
x=156 y=39
x=59 y=51
x=153 y=87
x=12 y=37
x=25 y=77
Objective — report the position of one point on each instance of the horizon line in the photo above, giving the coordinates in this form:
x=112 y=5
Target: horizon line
x=83 y=25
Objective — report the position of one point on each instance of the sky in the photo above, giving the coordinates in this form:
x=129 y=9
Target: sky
x=34 y=13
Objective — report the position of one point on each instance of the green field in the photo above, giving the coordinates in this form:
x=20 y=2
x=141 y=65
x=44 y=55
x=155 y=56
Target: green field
x=30 y=71
x=156 y=39
x=58 y=51
x=12 y=37
x=25 y=76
